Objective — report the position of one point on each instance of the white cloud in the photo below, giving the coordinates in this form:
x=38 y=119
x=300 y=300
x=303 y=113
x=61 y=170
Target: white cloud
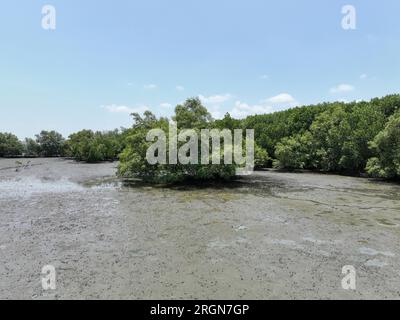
x=363 y=76
x=281 y=99
x=117 y=109
x=342 y=88
x=264 y=77
x=166 y=105
x=216 y=114
x=242 y=110
x=344 y=100
x=276 y=103
x=180 y=88
x=215 y=99
x=150 y=86
x=213 y=104
x=113 y=108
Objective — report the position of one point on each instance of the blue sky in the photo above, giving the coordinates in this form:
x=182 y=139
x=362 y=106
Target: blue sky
x=108 y=58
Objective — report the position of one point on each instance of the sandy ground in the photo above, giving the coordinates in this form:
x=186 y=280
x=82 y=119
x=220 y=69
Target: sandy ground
x=270 y=236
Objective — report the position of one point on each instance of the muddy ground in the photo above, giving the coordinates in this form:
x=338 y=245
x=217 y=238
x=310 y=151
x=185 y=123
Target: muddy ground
x=269 y=236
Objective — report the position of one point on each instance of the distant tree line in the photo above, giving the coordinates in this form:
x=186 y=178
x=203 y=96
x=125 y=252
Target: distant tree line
x=85 y=145
x=349 y=138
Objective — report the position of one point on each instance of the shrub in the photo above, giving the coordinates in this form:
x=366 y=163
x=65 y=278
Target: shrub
x=10 y=145
x=32 y=148
x=387 y=147
x=190 y=115
x=90 y=146
x=51 y=143
x=289 y=154
x=261 y=158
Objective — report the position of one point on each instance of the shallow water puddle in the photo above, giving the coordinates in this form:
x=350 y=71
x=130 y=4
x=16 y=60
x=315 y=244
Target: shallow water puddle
x=386 y=223
x=26 y=187
x=375 y=263
x=373 y=252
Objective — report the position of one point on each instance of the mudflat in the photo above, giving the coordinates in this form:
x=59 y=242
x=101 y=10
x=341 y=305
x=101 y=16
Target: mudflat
x=272 y=235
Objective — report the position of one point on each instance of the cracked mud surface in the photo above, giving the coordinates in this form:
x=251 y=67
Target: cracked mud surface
x=269 y=236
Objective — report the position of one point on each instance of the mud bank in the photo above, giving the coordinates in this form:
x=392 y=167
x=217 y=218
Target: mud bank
x=269 y=236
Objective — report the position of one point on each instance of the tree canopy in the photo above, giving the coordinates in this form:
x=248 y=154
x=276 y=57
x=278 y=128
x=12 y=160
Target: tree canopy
x=90 y=146
x=332 y=137
x=50 y=143
x=10 y=145
x=190 y=115
x=386 y=145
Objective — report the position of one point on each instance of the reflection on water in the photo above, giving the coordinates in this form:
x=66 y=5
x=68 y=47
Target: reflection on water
x=243 y=185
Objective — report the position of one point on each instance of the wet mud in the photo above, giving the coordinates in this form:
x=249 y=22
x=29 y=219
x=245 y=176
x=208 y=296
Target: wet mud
x=272 y=235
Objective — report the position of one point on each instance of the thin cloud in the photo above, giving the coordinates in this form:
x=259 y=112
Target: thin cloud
x=221 y=98
x=284 y=100
x=342 y=88
x=114 y=108
x=217 y=115
x=150 y=86
x=165 y=105
x=242 y=110
x=180 y=88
